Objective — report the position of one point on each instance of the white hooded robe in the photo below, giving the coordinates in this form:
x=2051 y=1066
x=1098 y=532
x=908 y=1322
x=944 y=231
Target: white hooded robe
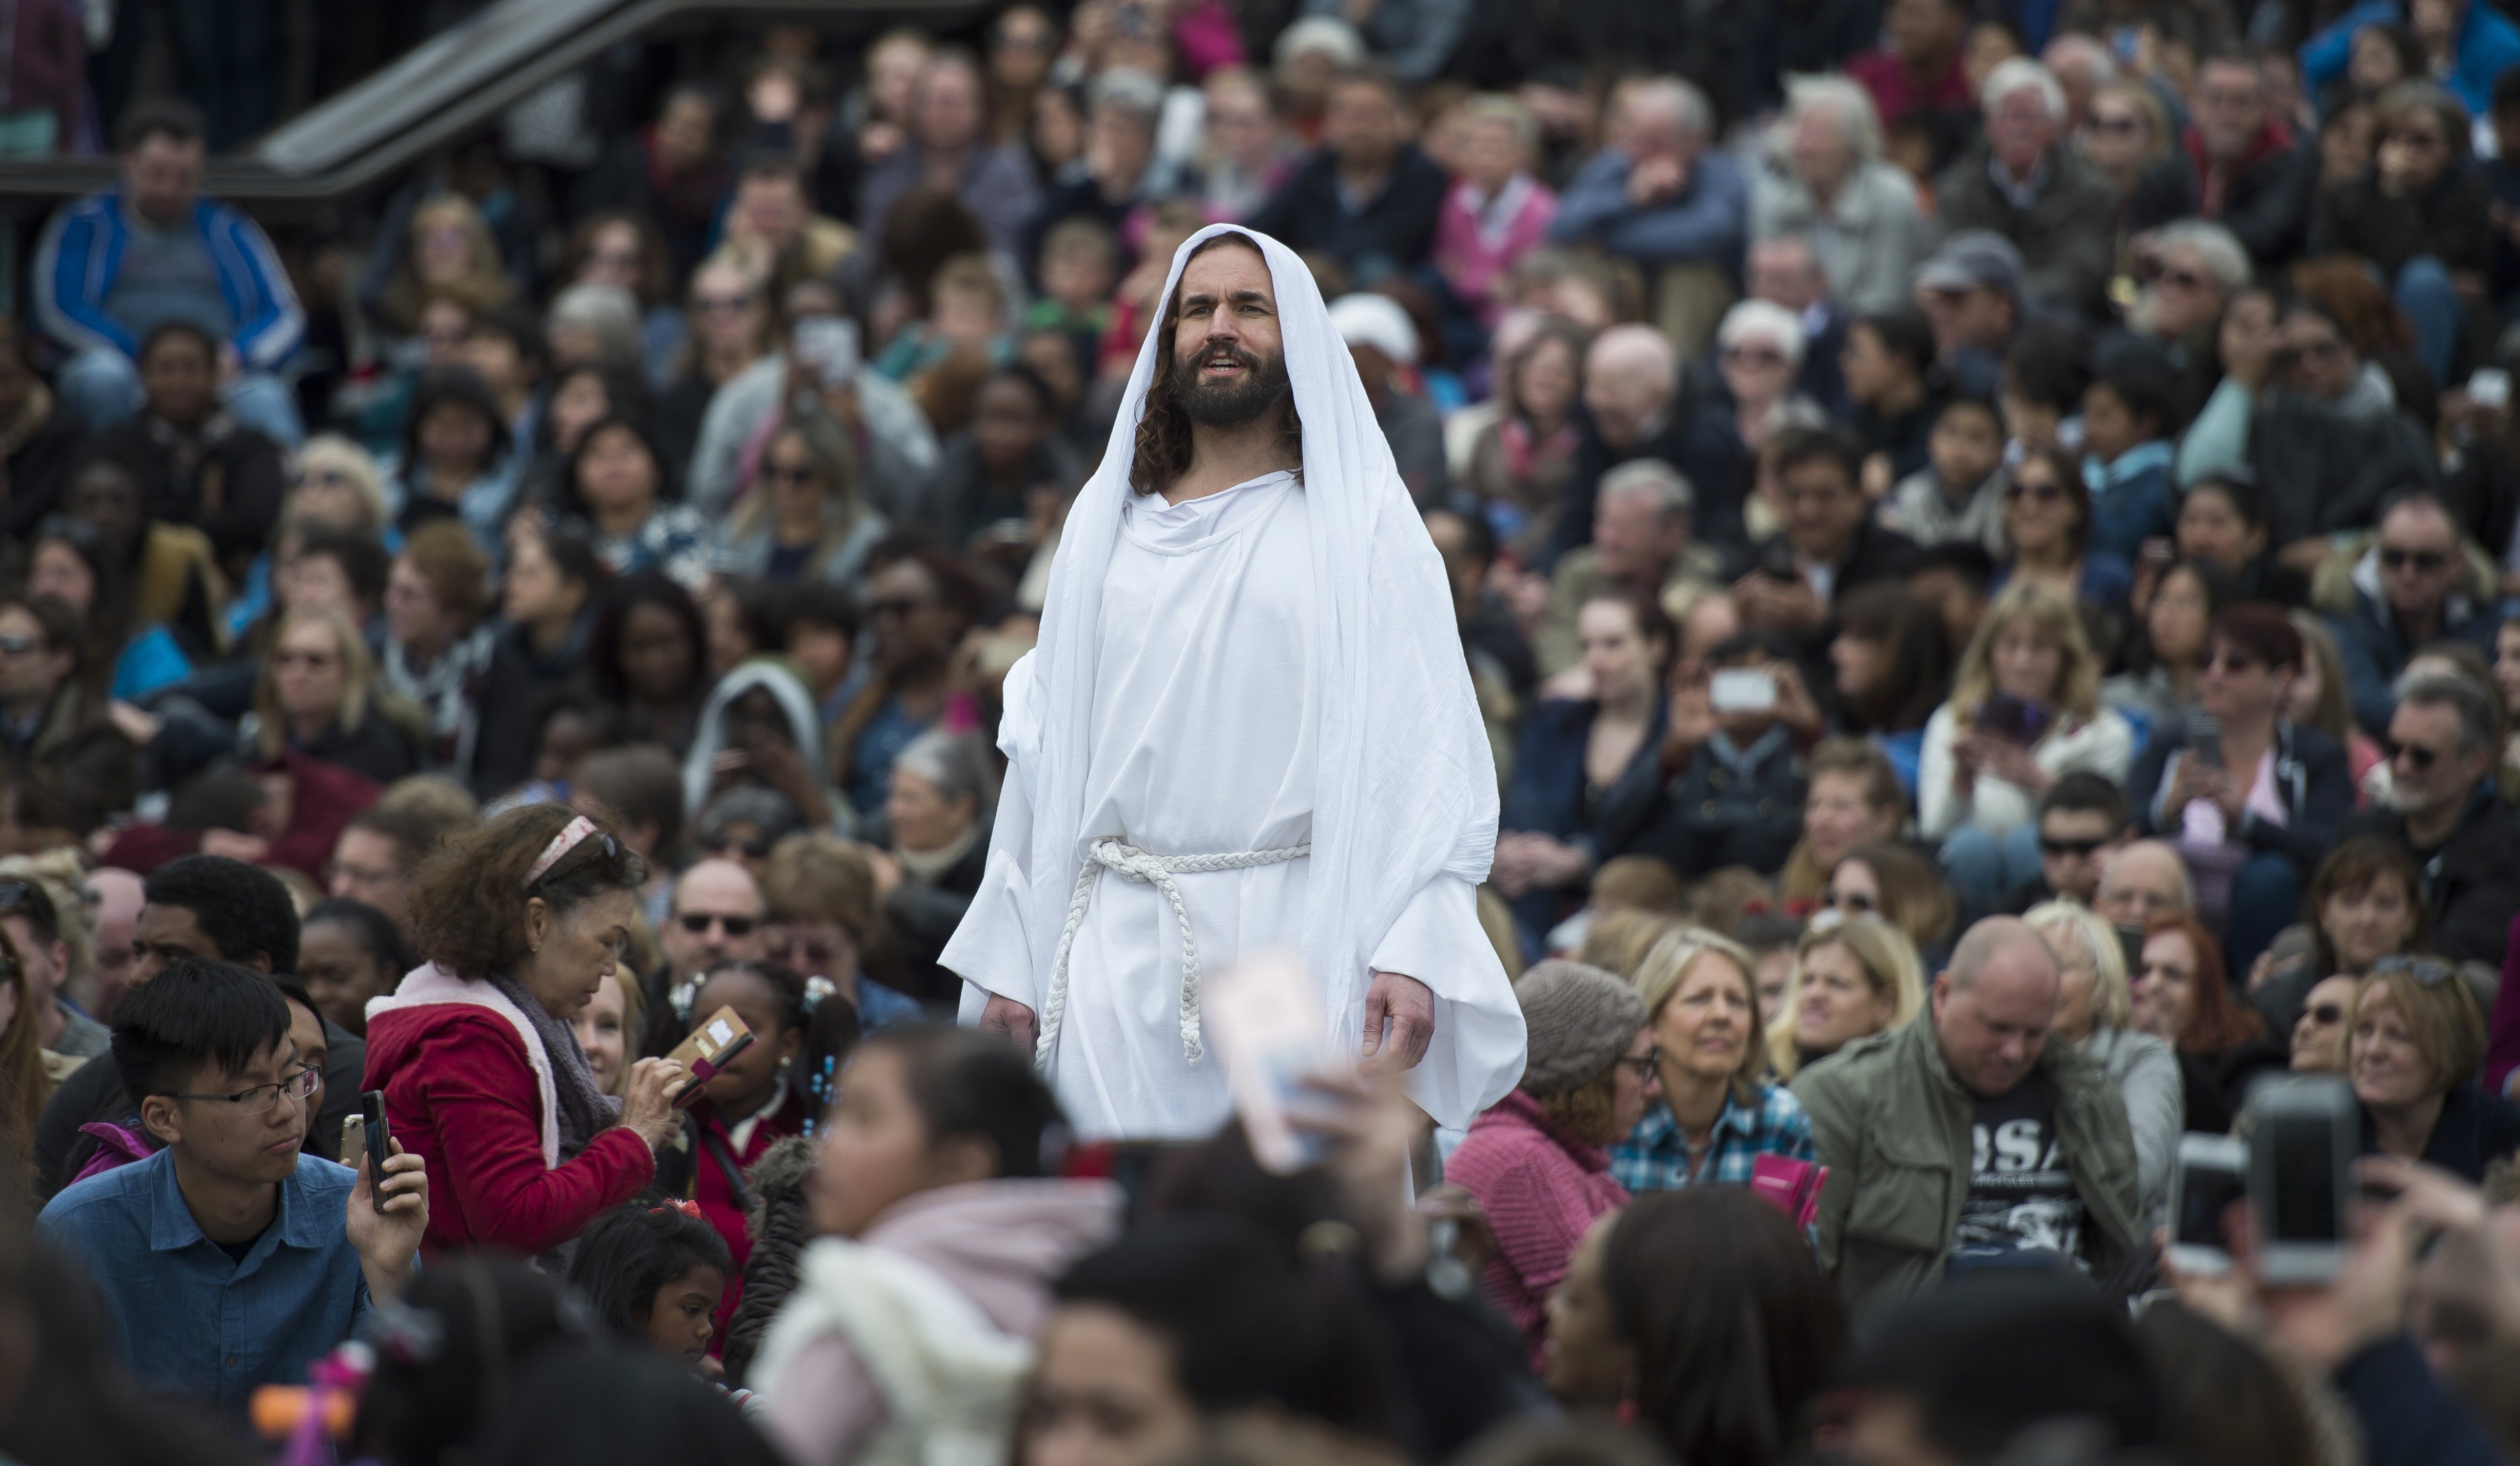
x=1206 y=683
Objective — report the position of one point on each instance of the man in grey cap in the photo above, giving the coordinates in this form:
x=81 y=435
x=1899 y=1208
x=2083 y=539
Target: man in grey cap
x=2024 y=184
x=1970 y=289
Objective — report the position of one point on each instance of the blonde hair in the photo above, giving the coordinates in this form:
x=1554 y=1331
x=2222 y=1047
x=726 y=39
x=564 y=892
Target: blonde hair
x=356 y=465
x=2054 y=619
x=63 y=878
x=1502 y=108
x=1618 y=941
x=1889 y=960
x=2112 y=1004
x=484 y=284
x=1667 y=963
x=358 y=677
x=2440 y=1018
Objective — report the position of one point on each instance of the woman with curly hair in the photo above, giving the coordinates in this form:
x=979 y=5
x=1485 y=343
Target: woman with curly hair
x=518 y=921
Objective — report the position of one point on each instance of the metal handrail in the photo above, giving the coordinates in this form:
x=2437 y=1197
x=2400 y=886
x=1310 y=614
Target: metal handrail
x=441 y=89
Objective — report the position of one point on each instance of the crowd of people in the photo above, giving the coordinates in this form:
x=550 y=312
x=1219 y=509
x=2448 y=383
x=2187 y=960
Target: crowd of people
x=1981 y=536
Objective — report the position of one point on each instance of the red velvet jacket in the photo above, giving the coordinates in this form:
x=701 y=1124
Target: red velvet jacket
x=461 y=1094
x=715 y=1194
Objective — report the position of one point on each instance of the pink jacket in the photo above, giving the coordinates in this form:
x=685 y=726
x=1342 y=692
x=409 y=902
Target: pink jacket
x=1003 y=1242
x=1541 y=1191
x=1474 y=250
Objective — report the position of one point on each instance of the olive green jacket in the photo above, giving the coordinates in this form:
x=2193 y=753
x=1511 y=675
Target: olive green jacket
x=1892 y=1125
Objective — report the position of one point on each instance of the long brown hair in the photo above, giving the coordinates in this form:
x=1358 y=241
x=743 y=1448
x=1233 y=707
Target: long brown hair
x=1163 y=445
x=2220 y=1022
x=24 y=1086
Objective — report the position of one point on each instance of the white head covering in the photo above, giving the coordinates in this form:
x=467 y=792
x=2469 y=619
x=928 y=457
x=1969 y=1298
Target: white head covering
x=1365 y=319
x=1408 y=782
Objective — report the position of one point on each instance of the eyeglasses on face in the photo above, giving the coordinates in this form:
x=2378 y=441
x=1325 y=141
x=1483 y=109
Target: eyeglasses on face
x=2042 y=491
x=1852 y=901
x=2429 y=971
x=2414 y=755
x=697 y=923
x=2083 y=848
x=2426 y=560
x=1644 y=1065
x=262 y=1099
x=2325 y=1015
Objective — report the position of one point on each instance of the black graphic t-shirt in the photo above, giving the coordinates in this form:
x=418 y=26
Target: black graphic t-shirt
x=2021 y=1194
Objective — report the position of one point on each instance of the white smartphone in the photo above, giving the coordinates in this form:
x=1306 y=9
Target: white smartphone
x=2212 y=1174
x=1743 y=689
x=2302 y=1136
x=1272 y=1033
x=830 y=345
x=2489 y=386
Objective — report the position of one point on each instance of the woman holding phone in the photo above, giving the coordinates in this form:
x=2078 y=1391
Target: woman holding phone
x=2250 y=798
x=518 y=921
x=2025 y=709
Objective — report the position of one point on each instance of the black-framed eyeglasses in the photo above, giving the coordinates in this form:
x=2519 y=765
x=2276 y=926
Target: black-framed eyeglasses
x=2427 y=561
x=2414 y=755
x=1854 y=900
x=2430 y=972
x=262 y=1099
x=697 y=923
x=1643 y=1064
x=2085 y=849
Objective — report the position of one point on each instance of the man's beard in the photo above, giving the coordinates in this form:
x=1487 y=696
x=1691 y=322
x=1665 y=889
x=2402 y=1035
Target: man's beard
x=1262 y=385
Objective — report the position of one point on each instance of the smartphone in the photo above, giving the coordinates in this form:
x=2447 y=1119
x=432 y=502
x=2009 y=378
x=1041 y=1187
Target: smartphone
x=2205 y=739
x=828 y=345
x=1776 y=563
x=1743 y=689
x=2302 y=1136
x=371 y=1121
x=711 y=1046
x=1272 y=1031
x=2010 y=718
x=355 y=1140
x=2211 y=1175
x=2489 y=386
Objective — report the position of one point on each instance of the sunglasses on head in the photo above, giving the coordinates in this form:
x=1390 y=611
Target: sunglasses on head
x=2430 y=972
x=2427 y=561
x=697 y=923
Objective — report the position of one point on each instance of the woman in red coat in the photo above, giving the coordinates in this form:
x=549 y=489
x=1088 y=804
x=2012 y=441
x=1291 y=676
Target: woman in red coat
x=518 y=921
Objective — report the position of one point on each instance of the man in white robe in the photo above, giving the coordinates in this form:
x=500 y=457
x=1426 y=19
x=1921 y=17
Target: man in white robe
x=1248 y=725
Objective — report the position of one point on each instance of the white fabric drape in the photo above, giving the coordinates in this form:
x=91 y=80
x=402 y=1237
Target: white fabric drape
x=1402 y=806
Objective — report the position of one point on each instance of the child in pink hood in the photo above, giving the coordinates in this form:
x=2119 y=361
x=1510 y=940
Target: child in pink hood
x=907 y=1332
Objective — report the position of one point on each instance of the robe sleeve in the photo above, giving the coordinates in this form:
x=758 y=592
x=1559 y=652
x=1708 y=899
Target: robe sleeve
x=991 y=951
x=1477 y=1052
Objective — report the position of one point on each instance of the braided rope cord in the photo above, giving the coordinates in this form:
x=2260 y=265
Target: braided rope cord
x=1132 y=863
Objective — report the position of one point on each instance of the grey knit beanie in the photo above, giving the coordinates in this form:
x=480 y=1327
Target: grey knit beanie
x=1579 y=1019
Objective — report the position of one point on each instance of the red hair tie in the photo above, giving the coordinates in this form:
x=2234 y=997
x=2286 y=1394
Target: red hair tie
x=687 y=1206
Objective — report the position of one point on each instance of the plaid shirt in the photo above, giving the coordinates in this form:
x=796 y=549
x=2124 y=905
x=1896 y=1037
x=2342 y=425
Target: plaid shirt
x=1655 y=1156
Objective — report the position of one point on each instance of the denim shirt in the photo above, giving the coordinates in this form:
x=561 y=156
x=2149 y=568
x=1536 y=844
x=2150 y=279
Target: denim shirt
x=189 y=1320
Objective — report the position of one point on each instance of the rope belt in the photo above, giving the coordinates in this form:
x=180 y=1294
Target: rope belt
x=1111 y=854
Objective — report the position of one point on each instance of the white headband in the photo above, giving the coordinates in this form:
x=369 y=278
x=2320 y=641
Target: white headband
x=560 y=844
